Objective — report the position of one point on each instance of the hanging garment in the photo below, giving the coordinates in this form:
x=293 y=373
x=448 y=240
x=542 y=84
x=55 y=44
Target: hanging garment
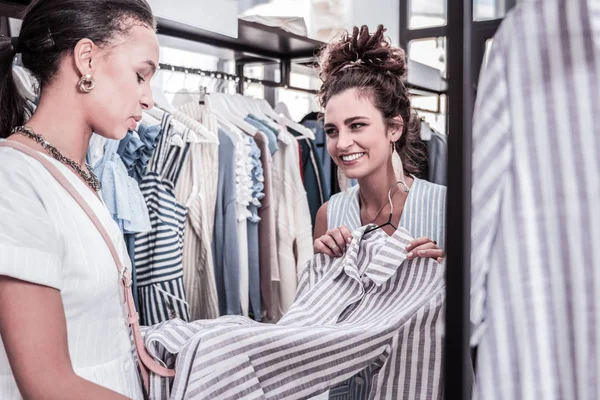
x=293 y=226
x=437 y=154
x=158 y=253
x=535 y=285
x=256 y=174
x=47 y=239
x=314 y=179
x=225 y=239
x=267 y=242
x=370 y=308
x=243 y=188
x=269 y=133
x=120 y=192
x=197 y=190
x=135 y=151
x=322 y=155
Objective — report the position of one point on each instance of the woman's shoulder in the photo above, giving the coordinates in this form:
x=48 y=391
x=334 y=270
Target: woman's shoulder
x=344 y=196
x=429 y=188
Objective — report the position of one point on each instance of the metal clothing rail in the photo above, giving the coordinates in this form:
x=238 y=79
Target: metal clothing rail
x=239 y=79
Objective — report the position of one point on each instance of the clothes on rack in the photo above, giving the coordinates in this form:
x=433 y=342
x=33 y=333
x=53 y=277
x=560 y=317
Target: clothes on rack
x=535 y=286
x=313 y=176
x=331 y=185
x=267 y=249
x=370 y=309
x=135 y=151
x=120 y=192
x=437 y=154
x=256 y=174
x=293 y=223
x=159 y=252
x=197 y=190
x=226 y=240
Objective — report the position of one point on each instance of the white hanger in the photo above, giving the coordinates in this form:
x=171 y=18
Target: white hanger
x=283 y=120
x=224 y=110
x=148 y=119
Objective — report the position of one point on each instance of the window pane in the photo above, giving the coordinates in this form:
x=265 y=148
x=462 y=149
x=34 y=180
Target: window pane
x=427 y=13
x=484 y=10
x=431 y=52
x=436 y=121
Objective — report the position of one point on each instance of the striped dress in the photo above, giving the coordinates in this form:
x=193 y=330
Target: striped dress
x=370 y=308
x=159 y=252
x=424 y=214
x=535 y=281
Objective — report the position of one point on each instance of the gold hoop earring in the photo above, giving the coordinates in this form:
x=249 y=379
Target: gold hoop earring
x=86 y=83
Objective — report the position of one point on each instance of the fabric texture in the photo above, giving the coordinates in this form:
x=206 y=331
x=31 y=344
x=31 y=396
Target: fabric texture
x=197 y=190
x=535 y=287
x=256 y=174
x=120 y=192
x=225 y=238
x=159 y=252
x=267 y=250
x=47 y=239
x=293 y=226
x=382 y=312
x=424 y=214
x=314 y=180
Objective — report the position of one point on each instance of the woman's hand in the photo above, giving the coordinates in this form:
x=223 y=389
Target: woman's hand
x=426 y=248
x=333 y=242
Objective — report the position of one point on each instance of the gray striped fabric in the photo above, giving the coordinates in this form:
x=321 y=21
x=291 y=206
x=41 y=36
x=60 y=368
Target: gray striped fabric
x=370 y=308
x=158 y=253
x=535 y=216
x=424 y=212
x=197 y=190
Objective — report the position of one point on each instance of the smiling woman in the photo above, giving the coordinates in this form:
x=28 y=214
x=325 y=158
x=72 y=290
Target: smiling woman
x=373 y=136
x=62 y=322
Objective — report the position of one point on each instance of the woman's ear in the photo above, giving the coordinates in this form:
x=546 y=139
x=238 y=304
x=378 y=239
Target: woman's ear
x=395 y=131
x=83 y=54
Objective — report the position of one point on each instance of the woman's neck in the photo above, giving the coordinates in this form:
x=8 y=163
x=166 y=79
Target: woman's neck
x=374 y=188
x=63 y=126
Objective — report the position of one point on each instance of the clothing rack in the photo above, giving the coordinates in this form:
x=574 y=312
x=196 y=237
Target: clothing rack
x=239 y=79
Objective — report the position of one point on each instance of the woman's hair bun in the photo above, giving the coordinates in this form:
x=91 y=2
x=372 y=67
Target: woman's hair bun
x=362 y=49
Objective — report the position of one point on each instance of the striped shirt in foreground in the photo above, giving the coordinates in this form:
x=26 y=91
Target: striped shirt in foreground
x=536 y=215
x=369 y=308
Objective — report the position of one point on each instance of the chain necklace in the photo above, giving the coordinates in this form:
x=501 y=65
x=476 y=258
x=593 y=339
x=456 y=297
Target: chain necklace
x=362 y=199
x=89 y=177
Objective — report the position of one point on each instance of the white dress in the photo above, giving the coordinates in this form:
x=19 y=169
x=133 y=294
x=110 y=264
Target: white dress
x=46 y=238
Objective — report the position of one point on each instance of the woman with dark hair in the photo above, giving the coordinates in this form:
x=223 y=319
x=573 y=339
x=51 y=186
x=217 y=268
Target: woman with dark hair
x=373 y=136
x=63 y=326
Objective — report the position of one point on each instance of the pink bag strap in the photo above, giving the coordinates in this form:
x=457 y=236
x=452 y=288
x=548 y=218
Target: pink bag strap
x=145 y=360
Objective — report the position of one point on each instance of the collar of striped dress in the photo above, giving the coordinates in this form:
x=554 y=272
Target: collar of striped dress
x=384 y=264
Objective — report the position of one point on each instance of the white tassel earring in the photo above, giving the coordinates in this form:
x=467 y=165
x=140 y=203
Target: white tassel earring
x=397 y=164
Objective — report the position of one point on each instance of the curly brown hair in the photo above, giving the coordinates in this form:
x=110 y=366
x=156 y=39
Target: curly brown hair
x=369 y=63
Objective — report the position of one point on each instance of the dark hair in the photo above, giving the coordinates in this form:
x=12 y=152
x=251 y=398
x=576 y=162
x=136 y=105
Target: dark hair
x=369 y=63
x=51 y=29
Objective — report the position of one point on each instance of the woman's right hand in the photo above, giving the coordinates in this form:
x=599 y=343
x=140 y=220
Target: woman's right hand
x=333 y=242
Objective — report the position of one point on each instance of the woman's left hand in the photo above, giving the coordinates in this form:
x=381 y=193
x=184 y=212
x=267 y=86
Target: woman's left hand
x=426 y=248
